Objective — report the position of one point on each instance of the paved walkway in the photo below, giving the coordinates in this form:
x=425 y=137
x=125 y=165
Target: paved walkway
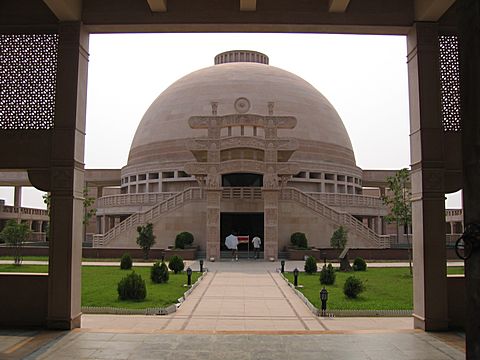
x=243 y=296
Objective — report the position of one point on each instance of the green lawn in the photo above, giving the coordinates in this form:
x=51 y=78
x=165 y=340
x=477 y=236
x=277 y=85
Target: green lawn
x=99 y=285
x=24 y=268
x=27 y=258
x=452 y=270
x=386 y=289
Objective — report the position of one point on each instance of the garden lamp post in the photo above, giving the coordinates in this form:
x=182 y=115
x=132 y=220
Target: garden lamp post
x=324 y=254
x=201 y=265
x=323 y=299
x=189 y=276
x=282 y=264
x=295 y=277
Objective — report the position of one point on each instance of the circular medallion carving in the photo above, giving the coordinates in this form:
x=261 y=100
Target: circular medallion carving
x=242 y=105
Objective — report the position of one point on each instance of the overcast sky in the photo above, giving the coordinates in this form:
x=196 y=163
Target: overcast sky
x=364 y=77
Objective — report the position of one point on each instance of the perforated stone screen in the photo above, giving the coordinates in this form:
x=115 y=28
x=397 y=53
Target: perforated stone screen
x=28 y=68
x=450 y=82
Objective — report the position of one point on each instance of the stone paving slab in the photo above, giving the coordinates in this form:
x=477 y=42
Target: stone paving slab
x=412 y=345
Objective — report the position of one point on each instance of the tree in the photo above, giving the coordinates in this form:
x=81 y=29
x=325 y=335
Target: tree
x=145 y=238
x=89 y=211
x=15 y=235
x=47 y=199
x=400 y=204
x=339 y=238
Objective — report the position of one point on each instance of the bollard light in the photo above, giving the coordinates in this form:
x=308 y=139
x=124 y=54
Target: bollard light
x=282 y=263
x=323 y=299
x=295 y=277
x=201 y=265
x=189 y=276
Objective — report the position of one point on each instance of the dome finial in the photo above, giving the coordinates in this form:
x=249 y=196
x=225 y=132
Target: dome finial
x=233 y=56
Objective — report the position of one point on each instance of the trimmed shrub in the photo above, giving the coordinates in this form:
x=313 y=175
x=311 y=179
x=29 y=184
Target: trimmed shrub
x=176 y=264
x=299 y=240
x=183 y=239
x=327 y=275
x=359 y=264
x=132 y=287
x=353 y=287
x=310 y=265
x=159 y=273
x=126 y=262
x=339 y=238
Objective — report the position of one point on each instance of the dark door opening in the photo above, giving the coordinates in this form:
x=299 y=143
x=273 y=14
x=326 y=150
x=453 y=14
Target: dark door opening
x=242 y=180
x=250 y=224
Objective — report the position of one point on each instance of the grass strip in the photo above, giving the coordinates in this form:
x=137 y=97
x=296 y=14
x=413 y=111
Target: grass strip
x=99 y=285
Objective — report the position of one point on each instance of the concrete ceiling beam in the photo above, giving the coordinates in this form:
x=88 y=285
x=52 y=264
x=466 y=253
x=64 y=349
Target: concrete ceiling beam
x=66 y=10
x=157 y=5
x=248 y=5
x=431 y=10
x=338 y=6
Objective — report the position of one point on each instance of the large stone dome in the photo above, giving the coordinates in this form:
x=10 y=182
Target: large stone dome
x=160 y=138
x=192 y=95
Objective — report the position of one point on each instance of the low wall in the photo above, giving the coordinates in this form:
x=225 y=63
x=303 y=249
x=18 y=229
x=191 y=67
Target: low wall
x=367 y=254
x=191 y=254
x=116 y=253
x=23 y=300
x=456 y=301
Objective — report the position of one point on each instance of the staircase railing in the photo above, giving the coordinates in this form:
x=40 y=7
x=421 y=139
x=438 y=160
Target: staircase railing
x=132 y=199
x=348 y=200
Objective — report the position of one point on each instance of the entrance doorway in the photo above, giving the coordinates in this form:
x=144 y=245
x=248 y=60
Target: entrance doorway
x=250 y=224
x=242 y=180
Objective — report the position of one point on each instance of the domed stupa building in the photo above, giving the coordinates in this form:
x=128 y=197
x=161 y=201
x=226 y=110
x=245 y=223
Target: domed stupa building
x=244 y=147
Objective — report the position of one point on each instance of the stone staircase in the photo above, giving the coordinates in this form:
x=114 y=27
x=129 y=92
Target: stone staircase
x=134 y=220
x=355 y=227
x=350 y=222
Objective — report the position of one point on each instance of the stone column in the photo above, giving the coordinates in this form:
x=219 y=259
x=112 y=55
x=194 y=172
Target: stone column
x=427 y=178
x=379 y=225
x=469 y=39
x=17 y=197
x=270 y=219
x=213 y=223
x=103 y=222
x=67 y=179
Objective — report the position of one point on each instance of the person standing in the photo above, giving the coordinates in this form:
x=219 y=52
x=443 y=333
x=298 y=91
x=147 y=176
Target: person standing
x=231 y=242
x=256 y=246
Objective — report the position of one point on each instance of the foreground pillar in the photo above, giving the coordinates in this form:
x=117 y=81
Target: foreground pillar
x=469 y=41
x=67 y=180
x=427 y=179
